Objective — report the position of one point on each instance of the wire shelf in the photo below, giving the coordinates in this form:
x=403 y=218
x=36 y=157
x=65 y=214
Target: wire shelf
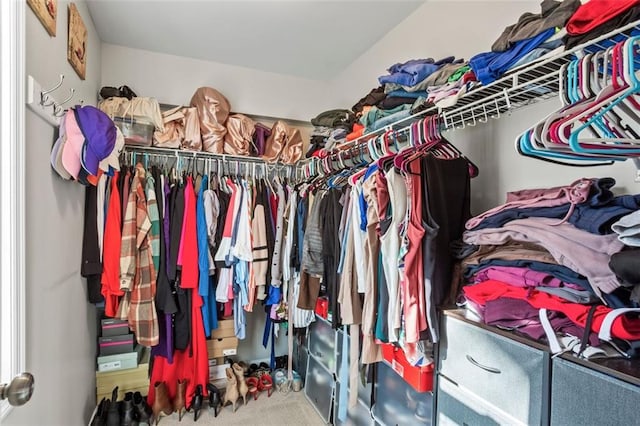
x=520 y=87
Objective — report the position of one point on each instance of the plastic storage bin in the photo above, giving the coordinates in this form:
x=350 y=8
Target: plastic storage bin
x=322 y=343
x=319 y=388
x=135 y=132
x=397 y=403
x=421 y=378
x=360 y=415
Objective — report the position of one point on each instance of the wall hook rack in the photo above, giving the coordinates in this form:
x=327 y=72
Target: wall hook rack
x=43 y=102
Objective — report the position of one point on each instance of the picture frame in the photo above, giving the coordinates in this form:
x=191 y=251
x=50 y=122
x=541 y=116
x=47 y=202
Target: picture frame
x=77 y=42
x=47 y=13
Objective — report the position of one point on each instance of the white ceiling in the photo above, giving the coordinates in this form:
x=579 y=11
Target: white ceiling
x=312 y=39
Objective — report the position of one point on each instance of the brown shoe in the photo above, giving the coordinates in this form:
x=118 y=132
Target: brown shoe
x=179 y=401
x=161 y=404
x=231 y=395
x=243 y=388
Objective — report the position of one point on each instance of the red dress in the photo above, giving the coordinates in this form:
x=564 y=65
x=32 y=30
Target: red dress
x=191 y=364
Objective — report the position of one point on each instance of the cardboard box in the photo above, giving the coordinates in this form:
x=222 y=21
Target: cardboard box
x=114 y=327
x=217 y=348
x=120 y=361
x=113 y=345
x=216 y=361
x=131 y=380
x=218 y=372
x=225 y=329
x=420 y=378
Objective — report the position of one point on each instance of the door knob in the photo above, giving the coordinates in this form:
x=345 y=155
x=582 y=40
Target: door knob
x=19 y=391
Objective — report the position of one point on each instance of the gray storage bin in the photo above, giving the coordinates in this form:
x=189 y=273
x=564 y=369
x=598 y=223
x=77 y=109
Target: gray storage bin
x=581 y=396
x=508 y=375
x=397 y=403
x=319 y=388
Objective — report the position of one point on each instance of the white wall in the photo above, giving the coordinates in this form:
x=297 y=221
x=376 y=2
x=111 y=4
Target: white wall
x=464 y=28
x=173 y=79
x=60 y=324
x=437 y=29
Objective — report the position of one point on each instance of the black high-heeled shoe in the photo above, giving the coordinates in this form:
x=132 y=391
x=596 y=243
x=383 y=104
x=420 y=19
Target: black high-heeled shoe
x=128 y=416
x=100 y=419
x=142 y=408
x=214 y=398
x=113 y=415
x=196 y=403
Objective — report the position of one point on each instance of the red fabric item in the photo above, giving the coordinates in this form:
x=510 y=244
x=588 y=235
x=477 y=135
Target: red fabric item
x=357 y=131
x=469 y=76
x=188 y=254
x=191 y=364
x=111 y=252
x=273 y=204
x=594 y=13
x=623 y=327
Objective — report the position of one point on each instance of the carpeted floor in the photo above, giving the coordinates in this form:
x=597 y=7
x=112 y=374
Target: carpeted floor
x=281 y=409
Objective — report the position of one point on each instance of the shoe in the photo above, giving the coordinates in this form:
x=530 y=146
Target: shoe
x=128 y=413
x=243 y=389
x=113 y=415
x=214 y=398
x=196 y=403
x=253 y=383
x=231 y=395
x=281 y=361
x=161 y=405
x=245 y=367
x=100 y=419
x=266 y=383
x=142 y=408
x=180 y=399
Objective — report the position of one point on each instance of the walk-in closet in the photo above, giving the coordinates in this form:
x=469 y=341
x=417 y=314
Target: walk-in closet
x=313 y=212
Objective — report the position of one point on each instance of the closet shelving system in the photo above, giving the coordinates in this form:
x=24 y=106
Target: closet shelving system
x=520 y=87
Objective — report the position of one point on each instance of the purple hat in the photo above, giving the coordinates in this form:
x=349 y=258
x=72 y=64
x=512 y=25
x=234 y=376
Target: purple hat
x=99 y=134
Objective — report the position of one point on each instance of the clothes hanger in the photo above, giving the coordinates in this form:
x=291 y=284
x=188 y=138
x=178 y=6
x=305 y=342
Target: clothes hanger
x=599 y=108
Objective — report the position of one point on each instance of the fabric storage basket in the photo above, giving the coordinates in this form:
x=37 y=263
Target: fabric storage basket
x=135 y=132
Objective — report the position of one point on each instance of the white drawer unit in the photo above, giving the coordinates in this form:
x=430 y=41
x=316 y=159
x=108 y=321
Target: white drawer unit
x=501 y=374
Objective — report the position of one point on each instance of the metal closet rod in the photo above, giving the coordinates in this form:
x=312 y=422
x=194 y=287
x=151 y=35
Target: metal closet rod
x=169 y=152
x=259 y=167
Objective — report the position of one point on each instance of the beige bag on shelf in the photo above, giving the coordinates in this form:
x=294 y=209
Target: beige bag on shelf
x=239 y=137
x=173 y=133
x=284 y=144
x=192 y=139
x=144 y=110
x=213 y=109
x=181 y=130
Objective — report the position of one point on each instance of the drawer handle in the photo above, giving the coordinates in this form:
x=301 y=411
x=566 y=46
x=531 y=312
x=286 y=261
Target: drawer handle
x=484 y=367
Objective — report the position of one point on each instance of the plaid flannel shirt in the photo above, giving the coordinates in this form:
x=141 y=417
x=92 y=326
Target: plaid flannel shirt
x=137 y=272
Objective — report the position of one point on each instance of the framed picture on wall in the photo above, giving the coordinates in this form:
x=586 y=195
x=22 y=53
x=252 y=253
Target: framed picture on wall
x=77 y=43
x=47 y=13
